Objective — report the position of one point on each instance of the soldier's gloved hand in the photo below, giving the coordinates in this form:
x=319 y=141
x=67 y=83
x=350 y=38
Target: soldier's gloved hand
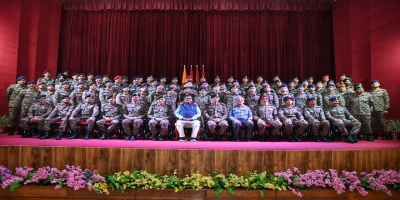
x=71 y=119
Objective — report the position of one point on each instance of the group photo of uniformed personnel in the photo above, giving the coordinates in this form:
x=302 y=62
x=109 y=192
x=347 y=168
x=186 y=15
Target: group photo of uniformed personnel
x=240 y=109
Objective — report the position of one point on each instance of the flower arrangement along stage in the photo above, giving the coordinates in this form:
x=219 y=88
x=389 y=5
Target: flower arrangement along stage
x=77 y=178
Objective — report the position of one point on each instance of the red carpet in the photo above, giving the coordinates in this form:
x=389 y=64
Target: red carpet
x=16 y=140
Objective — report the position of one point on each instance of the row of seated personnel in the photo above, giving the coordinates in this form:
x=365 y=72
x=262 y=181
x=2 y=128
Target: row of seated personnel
x=188 y=114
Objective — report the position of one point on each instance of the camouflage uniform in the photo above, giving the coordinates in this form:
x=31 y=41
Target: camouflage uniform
x=343 y=99
x=316 y=113
x=301 y=100
x=317 y=96
x=37 y=111
x=326 y=104
x=14 y=106
x=361 y=108
x=77 y=97
x=222 y=96
x=123 y=99
x=171 y=101
x=381 y=103
x=216 y=111
x=132 y=110
x=28 y=97
x=273 y=99
x=46 y=81
x=159 y=111
x=268 y=114
x=145 y=101
x=340 y=112
x=61 y=111
x=118 y=87
x=295 y=115
x=50 y=98
x=105 y=93
x=281 y=101
x=60 y=93
x=252 y=100
x=109 y=111
x=82 y=113
x=155 y=94
x=134 y=88
x=321 y=91
x=203 y=101
x=231 y=100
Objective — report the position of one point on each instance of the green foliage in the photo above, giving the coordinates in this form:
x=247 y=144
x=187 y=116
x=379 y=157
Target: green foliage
x=3 y=120
x=393 y=125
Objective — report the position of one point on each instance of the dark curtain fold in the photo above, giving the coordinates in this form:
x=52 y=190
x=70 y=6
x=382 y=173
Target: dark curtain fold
x=160 y=42
x=204 y=5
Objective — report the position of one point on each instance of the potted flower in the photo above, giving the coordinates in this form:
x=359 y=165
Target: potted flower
x=393 y=127
x=3 y=124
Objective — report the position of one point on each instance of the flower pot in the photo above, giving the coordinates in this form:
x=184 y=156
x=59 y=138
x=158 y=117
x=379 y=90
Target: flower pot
x=4 y=129
x=395 y=135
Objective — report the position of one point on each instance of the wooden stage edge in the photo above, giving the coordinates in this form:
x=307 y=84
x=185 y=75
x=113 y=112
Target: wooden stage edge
x=165 y=161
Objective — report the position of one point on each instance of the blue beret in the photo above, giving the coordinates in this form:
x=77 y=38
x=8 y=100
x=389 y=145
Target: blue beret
x=284 y=85
x=288 y=97
x=375 y=81
x=276 y=76
x=311 y=85
x=222 y=84
x=154 y=80
x=278 y=81
x=173 y=78
x=310 y=77
x=158 y=84
x=89 y=95
x=214 y=95
x=330 y=85
x=264 y=81
x=245 y=77
x=50 y=84
x=215 y=84
x=75 y=73
x=319 y=81
x=252 y=86
x=98 y=76
x=305 y=80
x=299 y=85
x=311 y=98
x=291 y=81
x=259 y=76
x=334 y=98
x=342 y=75
x=233 y=87
x=231 y=77
x=65 y=96
x=331 y=80
x=203 y=77
x=236 y=81
x=21 y=77
x=144 y=85
x=135 y=94
x=79 y=82
x=30 y=82
x=65 y=71
x=134 y=78
x=296 y=77
x=149 y=76
x=204 y=82
x=170 y=88
x=109 y=80
x=90 y=74
x=163 y=77
x=92 y=83
x=124 y=86
x=251 y=81
x=202 y=88
x=40 y=96
x=358 y=85
x=140 y=76
x=216 y=77
x=81 y=74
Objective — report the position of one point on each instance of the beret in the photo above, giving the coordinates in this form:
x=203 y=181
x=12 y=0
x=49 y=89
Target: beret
x=159 y=97
x=125 y=77
x=299 y=85
x=89 y=95
x=20 y=78
x=135 y=94
x=374 y=81
x=125 y=86
x=65 y=96
x=111 y=96
x=31 y=82
x=311 y=98
x=79 y=82
x=288 y=97
x=98 y=76
x=329 y=85
x=90 y=74
x=65 y=82
x=170 y=88
x=41 y=82
x=311 y=85
x=109 y=80
x=264 y=96
x=40 y=96
x=117 y=77
x=358 y=85
x=46 y=71
x=163 y=77
x=334 y=98
x=50 y=84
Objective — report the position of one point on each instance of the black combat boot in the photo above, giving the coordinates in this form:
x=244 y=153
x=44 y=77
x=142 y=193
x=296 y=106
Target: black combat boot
x=325 y=139
x=128 y=137
x=316 y=138
x=59 y=135
x=133 y=138
x=46 y=135
x=11 y=131
x=75 y=135
x=87 y=135
x=384 y=135
x=297 y=137
x=104 y=136
x=40 y=134
x=350 y=139
x=155 y=137
x=369 y=137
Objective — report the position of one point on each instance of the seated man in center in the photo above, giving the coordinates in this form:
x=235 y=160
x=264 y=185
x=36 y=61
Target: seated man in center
x=241 y=114
x=188 y=114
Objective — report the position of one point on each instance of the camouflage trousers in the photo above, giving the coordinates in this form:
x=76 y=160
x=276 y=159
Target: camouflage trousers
x=111 y=128
x=212 y=126
x=153 y=126
x=135 y=128
x=365 y=123
x=289 y=126
x=24 y=112
x=74 y=126
x=25 y=123
x=13 y=112
x=275 y=124
x=315 y=127
x=342 y=126
x=61 y=128
x=378 y=116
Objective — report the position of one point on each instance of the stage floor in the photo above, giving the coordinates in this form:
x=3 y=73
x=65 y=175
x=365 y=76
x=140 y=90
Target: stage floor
x=16 y=140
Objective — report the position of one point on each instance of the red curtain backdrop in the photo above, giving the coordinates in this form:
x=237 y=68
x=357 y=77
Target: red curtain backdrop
x=242 y=37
